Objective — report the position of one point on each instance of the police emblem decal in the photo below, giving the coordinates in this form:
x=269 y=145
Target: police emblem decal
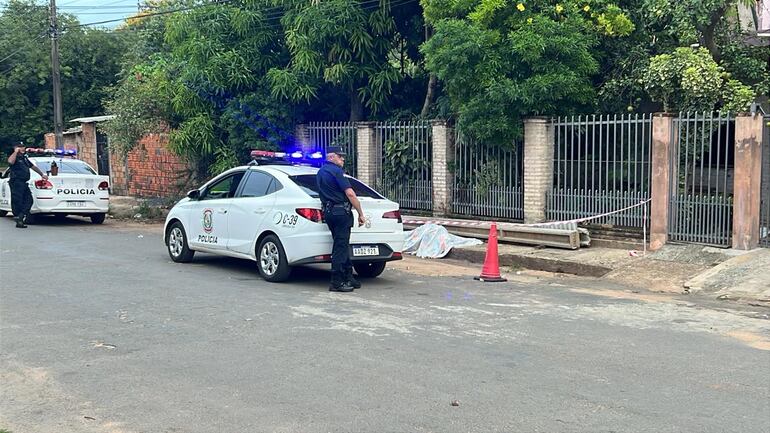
x=208 y=220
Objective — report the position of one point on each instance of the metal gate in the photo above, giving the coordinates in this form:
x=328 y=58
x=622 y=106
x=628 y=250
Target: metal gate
x=702 y=171
x=404 y=172
x=343 y=134
x=488 y=179
x=601 y=164
x=764 y=216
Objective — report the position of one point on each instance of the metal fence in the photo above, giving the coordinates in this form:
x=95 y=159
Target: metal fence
x=701 y=209
x=343 y=134
x=601 y=164
x=488 y=179
x=404 y=171
x=764 y=216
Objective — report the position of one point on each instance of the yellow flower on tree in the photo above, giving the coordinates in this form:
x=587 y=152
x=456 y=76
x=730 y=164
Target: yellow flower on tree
x=529 y=20
x=559 y=8
x=520 y=7
x=587 y=8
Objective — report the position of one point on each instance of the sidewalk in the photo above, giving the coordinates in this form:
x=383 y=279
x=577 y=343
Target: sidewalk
x=718 y=273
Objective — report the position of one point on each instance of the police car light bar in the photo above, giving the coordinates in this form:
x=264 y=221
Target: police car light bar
x=296 y=156
x=60 y=152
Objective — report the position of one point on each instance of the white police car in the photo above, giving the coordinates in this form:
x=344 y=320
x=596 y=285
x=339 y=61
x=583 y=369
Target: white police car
x=272 y=214
x=75 y=190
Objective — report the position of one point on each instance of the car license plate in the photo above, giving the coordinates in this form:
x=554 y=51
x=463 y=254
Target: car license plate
x=76 y=204
x=366 y=251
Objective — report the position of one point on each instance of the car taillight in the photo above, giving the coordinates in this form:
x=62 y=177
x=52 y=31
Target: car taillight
x=315 y=215
x=43 y=184
x=104 y=186
x=395 y=215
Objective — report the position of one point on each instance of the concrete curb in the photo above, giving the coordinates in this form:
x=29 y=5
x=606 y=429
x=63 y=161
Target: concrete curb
x=533 y=263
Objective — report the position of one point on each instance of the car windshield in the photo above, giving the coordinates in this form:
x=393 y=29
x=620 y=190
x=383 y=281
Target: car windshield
x=308 y=184
x=65 y=166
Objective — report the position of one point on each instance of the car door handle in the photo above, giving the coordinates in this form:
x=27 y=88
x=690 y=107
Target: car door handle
x=222 y=210
x=260 y=211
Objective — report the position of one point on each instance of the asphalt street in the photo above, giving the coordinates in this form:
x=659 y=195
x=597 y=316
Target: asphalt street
x=101 y=332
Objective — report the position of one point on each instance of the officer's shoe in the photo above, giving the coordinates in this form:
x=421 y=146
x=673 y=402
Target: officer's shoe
x=344 y=287
x=20 y=223
x=353 y=282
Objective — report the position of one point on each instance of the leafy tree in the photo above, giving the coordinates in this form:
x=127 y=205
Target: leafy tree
x=89 y=58
x=664 y=26
x=353 y=47
x=500 y=61
x=690 y=80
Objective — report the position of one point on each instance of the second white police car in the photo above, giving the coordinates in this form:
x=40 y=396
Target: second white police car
x=271 y=213
x=73 y=187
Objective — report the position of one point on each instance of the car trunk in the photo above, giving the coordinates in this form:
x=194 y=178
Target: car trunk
x=374 y=211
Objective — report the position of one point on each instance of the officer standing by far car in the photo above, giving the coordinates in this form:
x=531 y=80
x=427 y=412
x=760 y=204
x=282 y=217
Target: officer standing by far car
x=21 y=197
x=338 y=199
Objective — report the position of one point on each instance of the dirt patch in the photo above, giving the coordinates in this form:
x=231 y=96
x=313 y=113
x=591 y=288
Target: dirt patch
x=751 y=339
x=621 y=294
x=656 y=275
x=434 y=268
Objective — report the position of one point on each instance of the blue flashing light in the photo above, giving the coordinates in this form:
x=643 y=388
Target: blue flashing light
x=316 y=155
x=297 y=155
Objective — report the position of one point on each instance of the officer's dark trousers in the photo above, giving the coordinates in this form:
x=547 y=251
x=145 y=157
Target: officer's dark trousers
x=340 y=221
x=21 y=198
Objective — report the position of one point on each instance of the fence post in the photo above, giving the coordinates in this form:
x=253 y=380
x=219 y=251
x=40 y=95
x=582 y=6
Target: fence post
x=662 y=144
x=367 y=152
x=538 y=167
x=302 y=138
x=442 y=177
x=747 y=185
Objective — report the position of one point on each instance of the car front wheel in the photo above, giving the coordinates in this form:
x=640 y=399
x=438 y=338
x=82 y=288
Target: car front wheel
x=369 y=269
x=271 y=260
x=176 y=241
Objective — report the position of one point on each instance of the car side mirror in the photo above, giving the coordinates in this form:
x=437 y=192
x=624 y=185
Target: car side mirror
x=194 y=194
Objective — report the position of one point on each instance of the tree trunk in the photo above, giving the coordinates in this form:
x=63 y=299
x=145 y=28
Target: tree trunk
x=356 y=106
x=429 y=95
x=709 y=31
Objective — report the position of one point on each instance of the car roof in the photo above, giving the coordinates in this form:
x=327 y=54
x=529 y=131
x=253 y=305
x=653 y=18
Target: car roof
x=293 y=170
x=53 y=158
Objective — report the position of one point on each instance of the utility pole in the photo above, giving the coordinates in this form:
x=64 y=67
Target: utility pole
x=57 y=111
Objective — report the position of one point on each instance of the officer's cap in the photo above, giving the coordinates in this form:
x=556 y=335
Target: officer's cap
x=336 y=149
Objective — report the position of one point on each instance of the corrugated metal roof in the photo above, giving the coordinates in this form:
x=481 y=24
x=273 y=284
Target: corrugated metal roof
x=92 y=119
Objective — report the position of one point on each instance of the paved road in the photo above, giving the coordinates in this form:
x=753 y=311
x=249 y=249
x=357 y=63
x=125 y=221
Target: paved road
x=102 y=333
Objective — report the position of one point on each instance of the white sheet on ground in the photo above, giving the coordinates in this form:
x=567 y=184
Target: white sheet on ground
x=434 y=241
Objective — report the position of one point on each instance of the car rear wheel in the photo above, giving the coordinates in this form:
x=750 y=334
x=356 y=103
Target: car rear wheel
x=369 y=269
x=176 y=241
x=97 y=218
x=271 y=260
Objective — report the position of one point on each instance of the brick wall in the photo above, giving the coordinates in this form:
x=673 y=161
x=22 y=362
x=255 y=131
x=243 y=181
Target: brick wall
x=71 y=141
x=87 y=148
x=152 y=170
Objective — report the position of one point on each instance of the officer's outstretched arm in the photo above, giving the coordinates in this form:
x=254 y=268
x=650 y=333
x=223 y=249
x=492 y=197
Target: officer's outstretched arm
x=356 y=204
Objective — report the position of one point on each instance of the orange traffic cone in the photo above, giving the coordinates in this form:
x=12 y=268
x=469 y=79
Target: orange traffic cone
x=490 y=273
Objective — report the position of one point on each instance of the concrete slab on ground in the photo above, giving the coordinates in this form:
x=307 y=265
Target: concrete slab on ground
x=744 y=277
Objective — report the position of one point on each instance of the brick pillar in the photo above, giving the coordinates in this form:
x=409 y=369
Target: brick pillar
x=747 y=184
x=662 y=142
x=442 y=178
x=49 y=141
x=302 y=138
x=538 y=167
x=368 y=155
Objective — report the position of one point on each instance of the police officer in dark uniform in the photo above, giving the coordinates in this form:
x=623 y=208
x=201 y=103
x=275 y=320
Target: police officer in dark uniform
x=338 y=199
x=21 y=197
